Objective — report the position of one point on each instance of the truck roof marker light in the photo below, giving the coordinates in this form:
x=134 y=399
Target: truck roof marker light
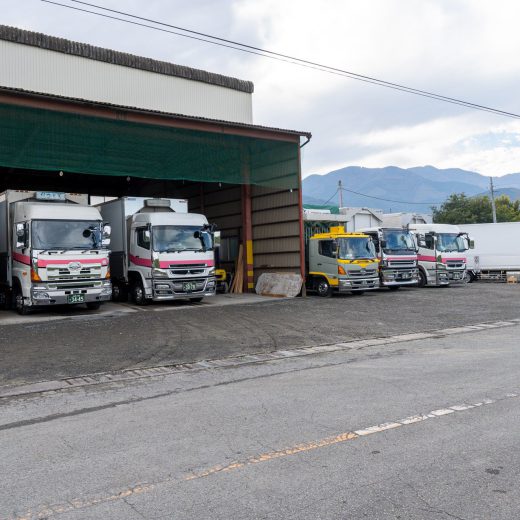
x=157 y=203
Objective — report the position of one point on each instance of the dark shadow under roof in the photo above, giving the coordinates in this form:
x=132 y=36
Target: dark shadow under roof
x=52 y=43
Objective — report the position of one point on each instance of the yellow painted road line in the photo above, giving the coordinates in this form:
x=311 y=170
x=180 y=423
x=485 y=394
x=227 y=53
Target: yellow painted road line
x=46 y=511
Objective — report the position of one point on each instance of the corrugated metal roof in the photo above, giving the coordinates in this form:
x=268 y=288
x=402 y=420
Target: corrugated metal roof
x=84 y=50
x=308 y=135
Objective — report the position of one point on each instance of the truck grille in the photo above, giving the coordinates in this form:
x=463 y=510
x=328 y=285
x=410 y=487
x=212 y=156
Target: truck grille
x=56 y=273
x=362 y=274
x=454 y=265
x=401 y=263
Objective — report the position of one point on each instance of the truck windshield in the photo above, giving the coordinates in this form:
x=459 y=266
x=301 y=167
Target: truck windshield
x=398 y=241
x=66 y=234
x=355 y=248
x=450 y=242
x=171 y=239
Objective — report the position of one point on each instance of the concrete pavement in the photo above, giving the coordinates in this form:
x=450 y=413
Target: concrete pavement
x=415 y=430
x=35 y=350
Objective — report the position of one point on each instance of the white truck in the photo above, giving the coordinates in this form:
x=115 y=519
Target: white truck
x=53 y=251
x=441 y=255
x=397 y=254
x=496 y=251
x=159 y=251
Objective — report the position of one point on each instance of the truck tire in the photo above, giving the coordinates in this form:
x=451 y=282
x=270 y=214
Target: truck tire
x=93 y=306
x=119 y=293
x=19 y=301
x=137 y=293
x=323 y=288
x=422 y=279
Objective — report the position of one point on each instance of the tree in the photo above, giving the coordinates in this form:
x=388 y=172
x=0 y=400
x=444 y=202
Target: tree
x=460 y=209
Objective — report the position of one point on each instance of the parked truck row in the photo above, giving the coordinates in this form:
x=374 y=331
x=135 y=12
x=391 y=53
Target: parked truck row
x=57 y=249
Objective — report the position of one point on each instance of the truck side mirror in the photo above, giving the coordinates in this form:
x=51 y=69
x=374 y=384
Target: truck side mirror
x=216 y=239
x=107 y=231
x=21 y=235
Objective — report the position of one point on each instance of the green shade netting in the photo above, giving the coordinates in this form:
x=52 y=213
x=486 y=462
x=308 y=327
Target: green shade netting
x=39 y=139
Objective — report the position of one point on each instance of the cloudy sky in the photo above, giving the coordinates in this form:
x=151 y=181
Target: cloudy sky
x=467 y=49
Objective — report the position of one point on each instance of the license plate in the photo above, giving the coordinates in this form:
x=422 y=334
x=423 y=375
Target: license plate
x=189 y=286
x=76 y=298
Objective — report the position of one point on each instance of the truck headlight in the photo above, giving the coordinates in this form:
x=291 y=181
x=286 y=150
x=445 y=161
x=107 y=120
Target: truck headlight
x=211 y=271
x=159 y=273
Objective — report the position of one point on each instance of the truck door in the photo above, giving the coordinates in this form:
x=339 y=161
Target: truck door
x=327 y=257
x=140 y=247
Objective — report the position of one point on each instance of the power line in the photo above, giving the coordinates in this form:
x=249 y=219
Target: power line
x=223 y=42
x=385 y=200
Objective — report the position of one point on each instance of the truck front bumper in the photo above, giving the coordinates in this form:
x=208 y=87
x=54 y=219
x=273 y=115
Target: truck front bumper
x=393 y=277
x=357 y=284
x=456 y=277
x=43 y=295
x=172 y=289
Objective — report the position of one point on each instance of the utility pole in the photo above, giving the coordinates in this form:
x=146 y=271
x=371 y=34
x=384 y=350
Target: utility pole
x=493 y=207
x=340 y=190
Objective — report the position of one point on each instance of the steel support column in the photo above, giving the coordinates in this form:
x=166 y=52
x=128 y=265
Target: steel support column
x=247 y=239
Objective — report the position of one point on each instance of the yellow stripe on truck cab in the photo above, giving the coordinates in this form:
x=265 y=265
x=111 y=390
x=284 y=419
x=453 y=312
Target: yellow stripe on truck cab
x=332 y=281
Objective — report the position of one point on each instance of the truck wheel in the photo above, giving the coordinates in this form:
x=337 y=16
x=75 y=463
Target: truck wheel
x=323 y=288
x=138 y=294
x=19 y=302
x=196 y=300
x=468 y=277
x=422 y=279
x=119 y=293
x=394 y=287
x=93 y=306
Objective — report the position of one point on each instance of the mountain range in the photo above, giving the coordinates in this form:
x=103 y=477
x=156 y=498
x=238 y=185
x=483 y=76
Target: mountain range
x=396 y=189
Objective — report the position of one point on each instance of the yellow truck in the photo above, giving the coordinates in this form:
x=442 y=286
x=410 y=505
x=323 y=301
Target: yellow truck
x=341 y=262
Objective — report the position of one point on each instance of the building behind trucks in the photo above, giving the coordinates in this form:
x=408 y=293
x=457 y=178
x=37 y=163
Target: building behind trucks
x=339 y=261
x=53 y=251
x=397 y=254
x=442 y=253
x=496 y=252
x=159 y=251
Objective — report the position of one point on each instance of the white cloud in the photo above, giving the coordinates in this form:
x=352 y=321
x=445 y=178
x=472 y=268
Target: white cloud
x=465 y=48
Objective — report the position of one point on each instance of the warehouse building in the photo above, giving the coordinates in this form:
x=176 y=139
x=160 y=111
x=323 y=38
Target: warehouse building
x=79 y=118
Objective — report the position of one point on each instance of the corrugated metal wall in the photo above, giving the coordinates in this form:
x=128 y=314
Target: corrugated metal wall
x=44 y=71
x=276 y=230
x=275 y=219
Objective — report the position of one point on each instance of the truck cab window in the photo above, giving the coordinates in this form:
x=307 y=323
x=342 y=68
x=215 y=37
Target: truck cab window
x=327 y=248
x=429 y=241
x=143 y=237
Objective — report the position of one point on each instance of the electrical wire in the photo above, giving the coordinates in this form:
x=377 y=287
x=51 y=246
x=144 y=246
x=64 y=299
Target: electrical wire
x=223 y=42
x=385 y=200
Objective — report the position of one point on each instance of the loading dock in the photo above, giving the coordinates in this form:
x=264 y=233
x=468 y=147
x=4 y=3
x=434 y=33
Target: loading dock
x=65 y=137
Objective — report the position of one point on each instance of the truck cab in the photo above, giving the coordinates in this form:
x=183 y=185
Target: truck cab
x=442 y=258
x=159 y=253
x=397 y=254
x=53 y=251
x=341 y=262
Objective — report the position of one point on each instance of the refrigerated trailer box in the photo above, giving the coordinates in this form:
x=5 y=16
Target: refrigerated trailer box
x=496 y=251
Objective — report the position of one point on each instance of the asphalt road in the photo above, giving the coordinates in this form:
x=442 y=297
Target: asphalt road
x=35 y=350
x=415 y=430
